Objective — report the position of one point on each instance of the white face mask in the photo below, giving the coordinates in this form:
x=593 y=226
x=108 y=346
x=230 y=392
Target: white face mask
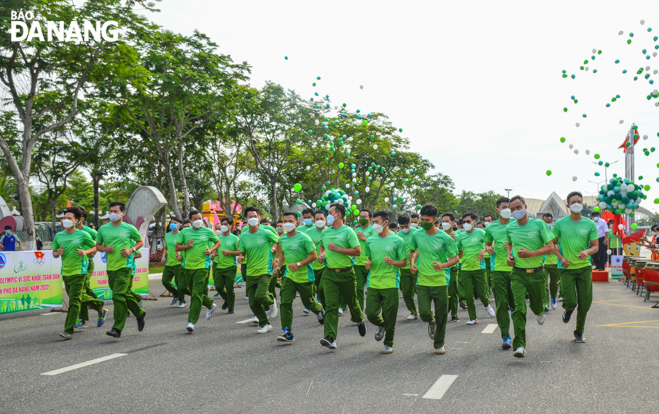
x=197 y=224
x=115 y=217
x=253 y=222
x=67 y=223
x=378 y=228
x=218 y=232
x=405 y=230
x=576 y=208
x=446 y=226
x=320 y=223
x=595 y=219
x=224 y=229
x=414 y=225
x=505 y=213
x=519 y=214
x=486 y=223
x=289 y=226
x=466 y=226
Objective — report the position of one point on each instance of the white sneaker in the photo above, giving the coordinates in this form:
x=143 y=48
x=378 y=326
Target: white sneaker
x=474 y=322
x=519 y=352
x=267 y=313
x=246 y=297
x=267 y=328
x=256 y=320
x=273 y=309
x=210 y=312
x=387 y=350
x=412 y=317
x=540 y=319
x=440 y=351
x=340 y=312
x=490 y=311
x=190 y=327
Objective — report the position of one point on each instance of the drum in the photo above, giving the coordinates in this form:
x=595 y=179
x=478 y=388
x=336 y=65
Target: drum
x=651 y=278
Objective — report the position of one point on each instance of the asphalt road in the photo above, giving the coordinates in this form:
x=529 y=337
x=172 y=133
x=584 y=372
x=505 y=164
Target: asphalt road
x=225 y=366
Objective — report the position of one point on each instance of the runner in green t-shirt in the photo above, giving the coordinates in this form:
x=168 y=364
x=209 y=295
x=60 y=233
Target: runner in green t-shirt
x=407 y=279
x=74 y=246
x=298 y=252
x=578 y=238
x=453 y=289
x=487 y=220
x=364 y=231
x=338 y=245
x=432 y=253
x=386 y=253
x=528 y=240
x=551 y=266
x=199 y=243
x=172 y=260
x=307 y=220
x=471 y=245
x=318 y=266
x=495 y=242
x=116 y=239
x=225 y=265
x=255 y=245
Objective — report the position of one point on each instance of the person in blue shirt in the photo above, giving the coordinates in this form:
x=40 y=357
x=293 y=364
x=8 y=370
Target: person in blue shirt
x=8 y=241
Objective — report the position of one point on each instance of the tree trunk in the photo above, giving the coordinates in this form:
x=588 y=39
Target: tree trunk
x=26 y=212
x=96 y=178
x=184 y=184
x=275 y=210
x=53 y=213
x=172 y=188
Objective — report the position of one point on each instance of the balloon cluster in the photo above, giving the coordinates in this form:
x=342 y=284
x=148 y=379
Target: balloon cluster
x=338 y=196
x=620 y=196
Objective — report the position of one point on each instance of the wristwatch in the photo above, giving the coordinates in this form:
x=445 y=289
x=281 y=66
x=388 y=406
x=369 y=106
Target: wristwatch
x=298 y=264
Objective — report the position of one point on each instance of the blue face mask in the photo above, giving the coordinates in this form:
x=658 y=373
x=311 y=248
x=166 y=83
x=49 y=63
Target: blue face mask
x=173 y=226
x=308 y=222
x=330 y=220
x=7 y=232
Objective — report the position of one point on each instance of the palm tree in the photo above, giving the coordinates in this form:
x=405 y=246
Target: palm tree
x=7 y=188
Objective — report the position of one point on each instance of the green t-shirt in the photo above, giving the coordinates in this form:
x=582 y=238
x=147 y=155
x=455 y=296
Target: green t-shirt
x=93 y=233
x=407 y=238
x=551 y=259
x=257 y=247
x=72 y=264
x=613 y=240
x=230 y=243
x=575 y=238
x=471 y=244
x=367 y=232
x=202 y=239
x=532 y=236
x=496 y=232
x=305 y=229
x=345 y=238
x=314 y=234
x=296 y=249
x=381 y=275
x=437 y=248
x=170 y=244
x=120 y=237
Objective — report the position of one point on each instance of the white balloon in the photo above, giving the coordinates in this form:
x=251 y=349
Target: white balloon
x=621 y=121
x=361 y=86
x=587 y=152
x=594 y=51
x=645 y=137
x=620 y=227
x=347 y=185
x=574 y=178
x=368 y=173
x=586 y=68
x=386 y=199
x=608 y=251
x=602 y=205
x=576 y=151
x=647 y=68
x=620 y=32
x=628 y=210
x=367 y=189
x=317 y=122
x=359 y=201
x=328 y=192
x=308 y=167
x=336 y=107
x=341 y=201
x=642 y=22
x=577 y=125
x=375 y=146
x=610 y=193
x=571 y=146
x=631 y=188
x=313 y=205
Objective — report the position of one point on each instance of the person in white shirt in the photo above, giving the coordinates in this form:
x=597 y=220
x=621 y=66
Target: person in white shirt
x=599 y=258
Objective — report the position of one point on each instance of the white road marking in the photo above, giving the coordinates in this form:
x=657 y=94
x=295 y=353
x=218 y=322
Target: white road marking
x=439 y=388
x=83 y=364
x=490 y=328
x=49 y=313
x=411 y=395
x=246 y=320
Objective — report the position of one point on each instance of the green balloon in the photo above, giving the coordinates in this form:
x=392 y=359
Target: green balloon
x=418 y=207
x=647 y=188
x=327 y=183
x=597 y=156
x=364 y=122
x=548 y=173
x=562 y=139
x=341 y=165
x=297 y=187
x=298 y=201
x=596 y=209
x=634 y=226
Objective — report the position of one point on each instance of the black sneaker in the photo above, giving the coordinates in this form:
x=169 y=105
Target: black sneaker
x=328 y=342
x=225 y=305
x=362 y=328
x=579 y=337
x=140 y=322
x=231 y=312
x=114 y=332
x=321 y=317
x=463 y=305
x=286 y=336
x=566 y=315
x=432 y=327
x=455 y=319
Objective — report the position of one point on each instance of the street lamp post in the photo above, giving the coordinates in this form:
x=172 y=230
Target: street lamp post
x=509 y=190
x=606 y=169
x=597 y=185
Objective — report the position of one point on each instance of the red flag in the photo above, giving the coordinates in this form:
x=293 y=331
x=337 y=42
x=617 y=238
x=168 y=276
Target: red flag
x=634 y=237
x=624 y=144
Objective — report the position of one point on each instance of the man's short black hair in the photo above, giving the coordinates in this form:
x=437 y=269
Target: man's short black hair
x=340 y=208
x=404 y=219
x=471 y=215
x=414 y=215
x=7 y=227
x=382 y=214
x=429 y=210
x=548 y=215
x=488 y=215
x=288 y=213
x=393 y=225
x=307 y=211
x=193 y=212
x=450 y=216
x=227 y=220
x=518 y=197
x=319 y=212
x=265 y=220
x=594 y=214
x=122 y=206
x=503 y=200
x=572 y=194
x=174 y=219
x=252 y=208
x=75 y=211
x=368 y=211
x=83 y=211
x=280 y=221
